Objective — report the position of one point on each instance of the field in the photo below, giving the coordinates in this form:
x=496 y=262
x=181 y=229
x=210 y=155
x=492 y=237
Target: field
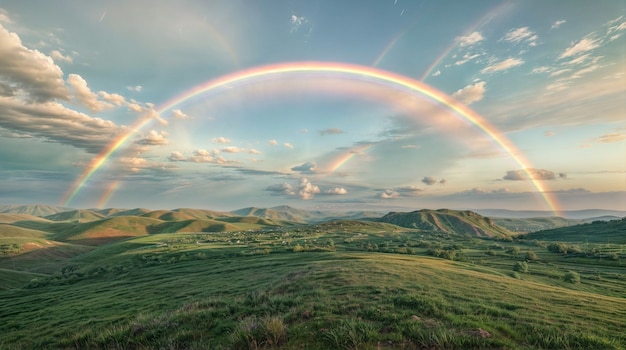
x=343 y=284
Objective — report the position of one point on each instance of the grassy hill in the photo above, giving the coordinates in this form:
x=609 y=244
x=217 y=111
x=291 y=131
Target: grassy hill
x=34 y=209
x=534 y=224
x=448 y=221
x=221 y=281
x=76 y=215
x=613 y=231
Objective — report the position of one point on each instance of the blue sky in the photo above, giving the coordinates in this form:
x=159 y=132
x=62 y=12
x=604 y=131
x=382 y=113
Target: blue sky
x=75 y=76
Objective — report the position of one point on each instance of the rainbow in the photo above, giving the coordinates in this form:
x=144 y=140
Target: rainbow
x=108 y=193
x=369 y=74
x=343 y=158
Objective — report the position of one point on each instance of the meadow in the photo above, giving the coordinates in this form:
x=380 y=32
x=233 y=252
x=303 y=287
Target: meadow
x=343 y=285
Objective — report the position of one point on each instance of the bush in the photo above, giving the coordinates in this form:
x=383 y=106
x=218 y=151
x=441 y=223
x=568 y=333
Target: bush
x=571 y=277
x=521 y=266
x=531 y=255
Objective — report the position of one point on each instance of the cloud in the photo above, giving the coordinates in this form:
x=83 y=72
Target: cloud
x=176 y=157
x=518 y=35
x=58 y=56
x=466 y=58
x=471 y=93
x=502 y=65
x=557 y=24
x=272 y=142
x=116 y=99
x=84 y=95
x=297 y=22
x=438 y=72
x=336 y=191
x=306 y=168
x=234 y=149
x=220 y=140
x=530 y=174
x=469 y=40
x=429 y=180
x=154 y=138
x=4 y=16
x=303 y=190
x=409 y=147
x=136 y=88
x=178 y=114
x=30 y=71
x=281 y=188
x=541 y=69
x=331 y=131
x=610 y=138
x=389 y=194
x=549 y=133
x=408 y=190
x=202 y=156
x=288 y=145
x=585 y=44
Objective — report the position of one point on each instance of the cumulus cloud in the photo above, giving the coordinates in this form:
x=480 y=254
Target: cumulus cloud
x=389 y=194
x=331 y=131
x=518 y=35
x=220 y=140
x=438 y=72
x=585 y=44
x=288 y=145
x=154 y=138
x=203 y=156
x=234 y=149
x=336 y=191
x=281 y=188
x=469 y=40
x=408 y=190
x=178 y=114
x=176 y=157
x=429 y=180
x=83 y=94
x=30 y=71
x=306 y=168
x=59 y=57
x=557 y=24
x=502 y=65
x=116 y=99
x=471 y=93
x=303 y=190
x=530 y=174
x=272 y=142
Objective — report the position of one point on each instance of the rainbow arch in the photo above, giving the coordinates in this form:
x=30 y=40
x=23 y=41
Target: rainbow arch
x=351 y=71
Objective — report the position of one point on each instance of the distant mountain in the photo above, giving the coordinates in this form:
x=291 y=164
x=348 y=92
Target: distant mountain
x=613 y=232
x=287 y=213
x=32 y=209
x=568 y=214
x=534 y=224
x=449 y=221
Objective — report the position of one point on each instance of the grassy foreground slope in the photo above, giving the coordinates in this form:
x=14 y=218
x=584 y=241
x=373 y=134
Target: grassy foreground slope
x=346 y=285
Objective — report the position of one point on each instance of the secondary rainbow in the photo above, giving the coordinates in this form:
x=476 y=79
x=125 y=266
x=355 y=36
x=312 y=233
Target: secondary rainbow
x=342 y=69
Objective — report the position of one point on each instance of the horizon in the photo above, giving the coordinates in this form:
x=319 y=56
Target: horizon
x=375 y=105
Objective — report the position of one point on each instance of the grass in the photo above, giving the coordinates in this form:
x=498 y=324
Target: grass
x=350 y=286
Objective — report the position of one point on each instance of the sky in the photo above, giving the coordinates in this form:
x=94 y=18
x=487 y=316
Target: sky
x=348 y=105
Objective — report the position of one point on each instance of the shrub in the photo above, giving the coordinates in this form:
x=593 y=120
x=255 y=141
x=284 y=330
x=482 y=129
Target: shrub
x=531 y=255
x=571 y=277
x=521 y=266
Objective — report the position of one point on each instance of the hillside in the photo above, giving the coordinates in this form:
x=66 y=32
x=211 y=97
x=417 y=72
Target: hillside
x=613 y=232
x=448 y=221
x=33 y=209
x=76 y=215
x=534 y=224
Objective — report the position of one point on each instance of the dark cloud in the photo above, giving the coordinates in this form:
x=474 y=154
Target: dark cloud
x=429 y=180
x=306 y=168
x=530 y=173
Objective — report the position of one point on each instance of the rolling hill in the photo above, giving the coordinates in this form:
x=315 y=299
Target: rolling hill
x=448 y=221
x=613 y=232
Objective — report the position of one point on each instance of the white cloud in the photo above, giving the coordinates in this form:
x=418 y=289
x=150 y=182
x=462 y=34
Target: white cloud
x=503 y=65
x=4 y=16
x=297 y=22
x=83 y=94
x=178 y=114
x=389 y=194
x=438 y=72
x=220 y=140
x=466 y=58
x=58 y=56
x=541 y=69
x=306 y=168
x=288 y=145
x=560 y=72
x=234 y=149
x=585 y=44
x=176 y=157
x=331 y=131
x=202 y=156
x=136 y=88
x=471 y=93
x=154 y=138
x=518 y=35
x=336 y=191
x=306 y=190
x=115 y=99
x=469 y=40
x=272 y=142
x=557 y=24
x=29 y=71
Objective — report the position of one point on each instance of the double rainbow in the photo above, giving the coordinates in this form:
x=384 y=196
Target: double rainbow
x=350 y=71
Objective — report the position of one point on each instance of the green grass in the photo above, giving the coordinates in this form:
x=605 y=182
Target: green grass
x=350 y=285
